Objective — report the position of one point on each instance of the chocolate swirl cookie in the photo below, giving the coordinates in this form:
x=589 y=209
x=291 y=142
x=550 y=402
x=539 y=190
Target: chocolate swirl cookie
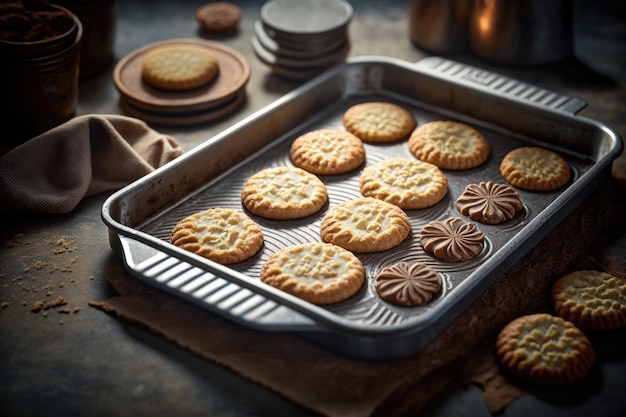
x=452 y=239
x=407 y=285
x=489 y=202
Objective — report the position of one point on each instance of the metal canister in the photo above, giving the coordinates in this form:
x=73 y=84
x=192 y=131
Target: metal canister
x=439 y=25
x=98 y=19
x=521 y=32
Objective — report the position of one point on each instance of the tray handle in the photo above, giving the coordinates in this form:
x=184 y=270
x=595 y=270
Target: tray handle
x=493 y=82
x=207 y=290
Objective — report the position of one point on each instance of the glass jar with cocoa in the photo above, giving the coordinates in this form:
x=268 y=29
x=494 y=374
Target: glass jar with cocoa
x=40 y=48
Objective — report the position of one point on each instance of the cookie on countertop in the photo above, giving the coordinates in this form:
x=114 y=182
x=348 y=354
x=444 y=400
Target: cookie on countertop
x=405 y=182
x=218 y=17
x=365 y=225
x=534 y=168
x=544 y=349
x=378 y=121
x=283 y=193
x=489 y=202
x=320 y=273
x=449 y=145
x=452 y=239
x=592 y=300
x=407 y=285
x=327 y=152
x=219 y=234
x=179 y=67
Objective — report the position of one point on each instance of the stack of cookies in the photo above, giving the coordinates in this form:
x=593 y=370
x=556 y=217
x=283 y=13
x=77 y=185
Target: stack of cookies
x=298 y=40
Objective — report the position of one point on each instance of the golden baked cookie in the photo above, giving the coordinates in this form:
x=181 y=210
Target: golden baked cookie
x=365 y=225
x=407 y=285
x=327 y=152
x=319 y=273
x=489 y=202
x=379 y=121
x=452 y=239
x=449 y=145
x=544 y=349
x=284 y=193
x=406 y=182
x=179 y=67
x=219 y=17
x=534 y=168
x=592 y=300
x=219 y=234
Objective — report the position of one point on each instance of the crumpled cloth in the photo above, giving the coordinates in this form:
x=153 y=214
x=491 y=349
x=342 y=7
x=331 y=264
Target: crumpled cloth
x=86 y=155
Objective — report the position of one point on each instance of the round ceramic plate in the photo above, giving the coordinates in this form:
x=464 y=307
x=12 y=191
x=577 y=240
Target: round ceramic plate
x=323 y=61
x=306 y=16
x=184 y=118
x=303 y=48
x=232 y=77
x=269 y=43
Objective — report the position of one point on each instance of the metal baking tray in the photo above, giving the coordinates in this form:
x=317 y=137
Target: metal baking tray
x=509 y=113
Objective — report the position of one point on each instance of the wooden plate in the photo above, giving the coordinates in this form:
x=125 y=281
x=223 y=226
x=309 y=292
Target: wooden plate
x=232 y=77
x=185 y=118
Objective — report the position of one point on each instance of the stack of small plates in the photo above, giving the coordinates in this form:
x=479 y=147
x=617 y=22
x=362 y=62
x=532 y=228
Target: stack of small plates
x=300 y=39
x=219 y=98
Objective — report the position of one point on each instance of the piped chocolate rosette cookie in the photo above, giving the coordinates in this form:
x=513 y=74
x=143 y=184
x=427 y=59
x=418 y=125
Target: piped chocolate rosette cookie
x=489 y=202
x=452 y=239
x=407 y=285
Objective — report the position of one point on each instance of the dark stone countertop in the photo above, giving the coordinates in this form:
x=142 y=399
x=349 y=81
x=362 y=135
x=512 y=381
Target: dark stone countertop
x=83 y=362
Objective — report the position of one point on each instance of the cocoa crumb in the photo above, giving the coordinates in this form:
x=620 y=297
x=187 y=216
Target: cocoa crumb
x=11 y=243
x=46 y=305
x=64 y=246
x=36 y=308
x=39 y=265
x=54 y=303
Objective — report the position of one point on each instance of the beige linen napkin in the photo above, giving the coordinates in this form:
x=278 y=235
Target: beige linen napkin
x=337 y=386
x=87 y=155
